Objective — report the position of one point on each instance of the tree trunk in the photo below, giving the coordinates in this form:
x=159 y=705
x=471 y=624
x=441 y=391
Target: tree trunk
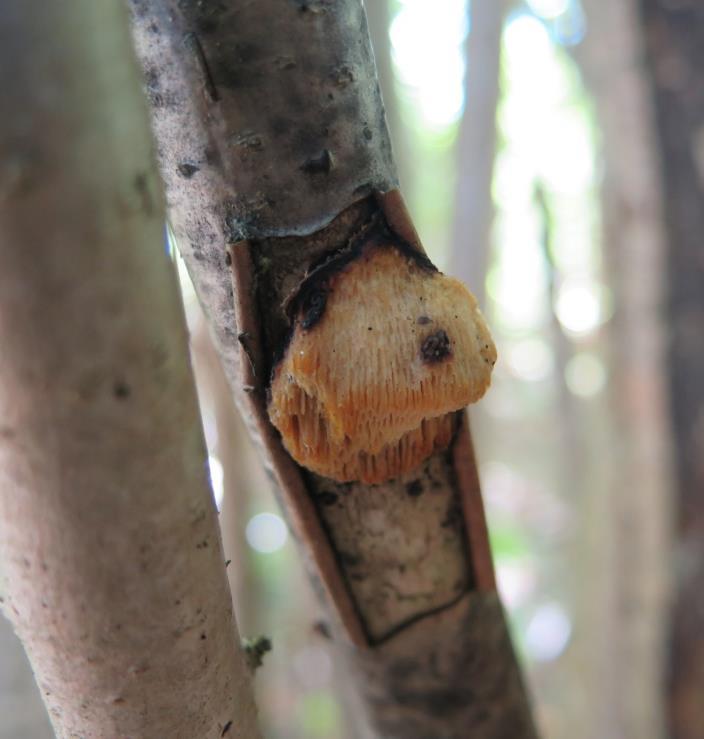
x=113 y=571
x=275 y=151
x=379 y=18
x=240 y=471
x=476 y=145
x=674 y=34
x=629 y=607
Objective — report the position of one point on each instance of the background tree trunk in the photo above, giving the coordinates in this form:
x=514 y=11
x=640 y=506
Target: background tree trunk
x=379 y=18
x=476 y=145
x=628 y=606
x=674 y=34
x=113 y=570
x=273 y=145
x=21 y=708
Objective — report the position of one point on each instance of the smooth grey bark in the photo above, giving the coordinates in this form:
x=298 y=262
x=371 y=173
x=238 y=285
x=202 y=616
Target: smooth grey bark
x=273 y=148
x=112 y=567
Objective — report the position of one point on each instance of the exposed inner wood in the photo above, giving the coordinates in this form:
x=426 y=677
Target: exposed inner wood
x=401 y=544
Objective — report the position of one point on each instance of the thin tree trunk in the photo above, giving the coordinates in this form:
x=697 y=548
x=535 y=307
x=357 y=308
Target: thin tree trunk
x=674 y=35
x=275 y=151
x=239 y=465
x=629 y=608
x=113 y=571
x=379 y=19
x=476 y=145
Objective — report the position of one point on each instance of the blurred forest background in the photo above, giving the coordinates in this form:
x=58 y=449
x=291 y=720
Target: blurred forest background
x=532 y=145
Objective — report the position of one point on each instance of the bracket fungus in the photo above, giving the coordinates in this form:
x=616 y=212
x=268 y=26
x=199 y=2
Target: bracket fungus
x=383 y=350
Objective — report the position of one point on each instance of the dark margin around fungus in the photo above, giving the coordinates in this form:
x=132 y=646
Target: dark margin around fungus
x=375 y=234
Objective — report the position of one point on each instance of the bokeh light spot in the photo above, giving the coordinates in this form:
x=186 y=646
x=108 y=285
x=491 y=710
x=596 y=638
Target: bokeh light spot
x=266 y=533
x=548 y=632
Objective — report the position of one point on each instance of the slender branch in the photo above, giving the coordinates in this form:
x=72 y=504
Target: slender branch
x=275 y=153
x=113 y=571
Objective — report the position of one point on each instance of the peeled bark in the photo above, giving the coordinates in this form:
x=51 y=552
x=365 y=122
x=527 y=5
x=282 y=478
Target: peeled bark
x=113 y=571
x=275 y=153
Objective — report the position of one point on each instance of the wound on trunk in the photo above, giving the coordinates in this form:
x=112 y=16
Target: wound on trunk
x=383 y=351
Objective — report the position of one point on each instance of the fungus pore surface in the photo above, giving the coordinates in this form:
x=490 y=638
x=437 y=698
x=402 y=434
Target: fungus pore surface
x=382 y=353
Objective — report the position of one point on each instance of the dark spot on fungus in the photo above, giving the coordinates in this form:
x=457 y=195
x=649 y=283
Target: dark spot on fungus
x=424 y=320
x=320 y=164
x=226 y=728
x=313 y=308
x=203 y=636
x=121 y=390
x=186 y=169
x=435 y=347
x=228 y=258
x=415 y=488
